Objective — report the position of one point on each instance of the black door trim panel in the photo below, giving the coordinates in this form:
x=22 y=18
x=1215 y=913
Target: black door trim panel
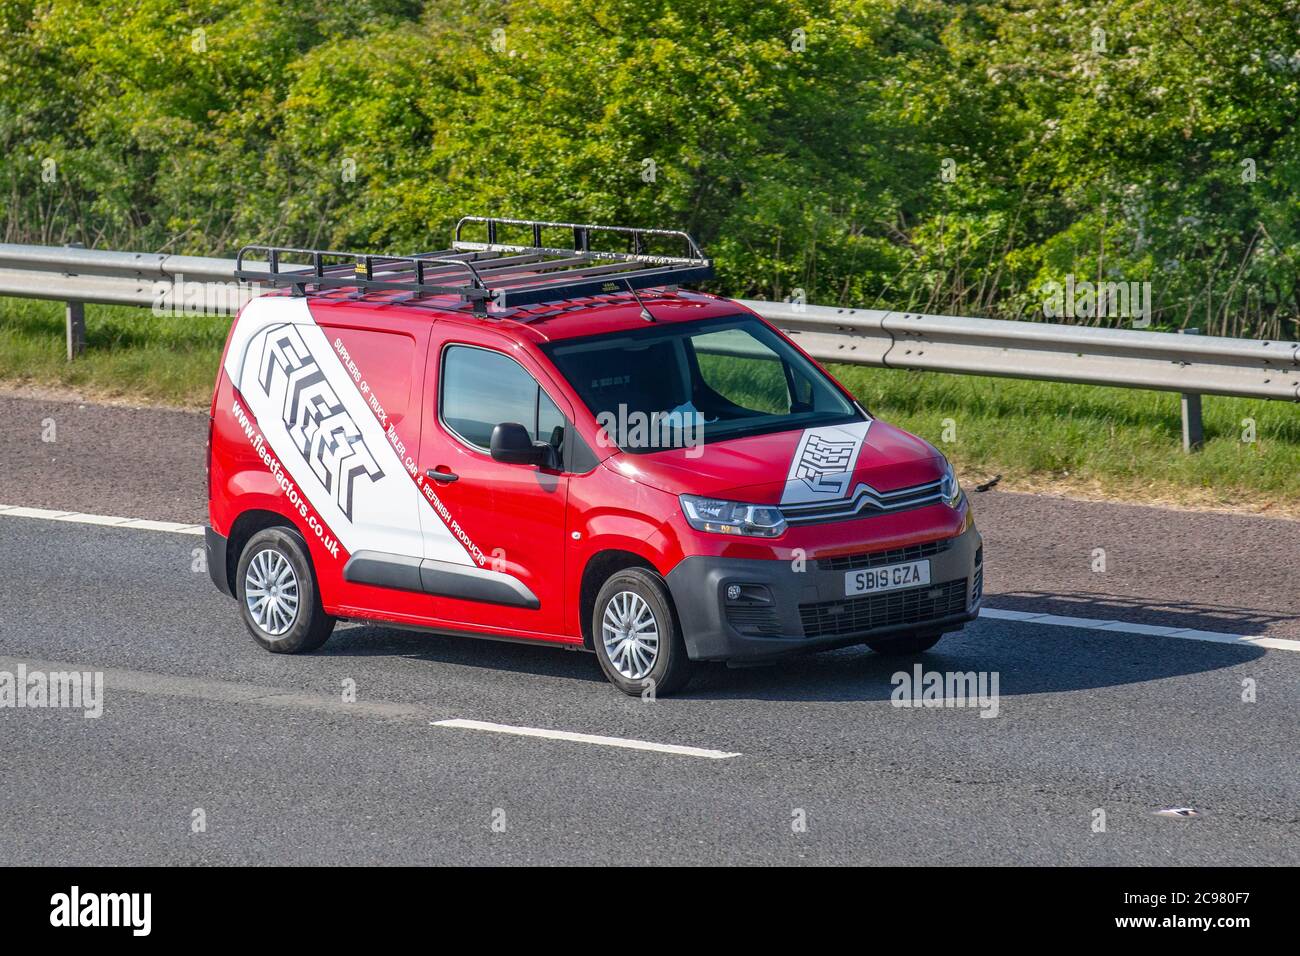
x=395 y=571
x=443 y=578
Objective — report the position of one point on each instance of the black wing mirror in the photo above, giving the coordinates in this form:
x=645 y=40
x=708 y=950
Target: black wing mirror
x=512 y=445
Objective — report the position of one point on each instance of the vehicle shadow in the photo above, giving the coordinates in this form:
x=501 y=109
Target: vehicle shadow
x=1028 y=659
x=542 y=660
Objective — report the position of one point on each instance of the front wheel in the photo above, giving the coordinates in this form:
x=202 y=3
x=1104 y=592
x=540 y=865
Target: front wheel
x=636 y=637
x=904 y=644
x=277 y=593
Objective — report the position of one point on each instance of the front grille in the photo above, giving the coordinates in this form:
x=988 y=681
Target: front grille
x=865 y=502
x=757 y=620
x=910 y=606
x=875 y=559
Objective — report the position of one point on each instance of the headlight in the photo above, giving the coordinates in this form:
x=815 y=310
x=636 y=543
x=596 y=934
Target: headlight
x=949 y=487
x=732 y=517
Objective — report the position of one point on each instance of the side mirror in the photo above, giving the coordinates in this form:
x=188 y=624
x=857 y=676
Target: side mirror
x=512 y=445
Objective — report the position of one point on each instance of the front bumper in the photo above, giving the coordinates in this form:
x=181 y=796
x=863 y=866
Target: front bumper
x=785 y=609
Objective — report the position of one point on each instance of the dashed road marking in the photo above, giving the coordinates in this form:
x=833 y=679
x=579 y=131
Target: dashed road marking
x=624 y=742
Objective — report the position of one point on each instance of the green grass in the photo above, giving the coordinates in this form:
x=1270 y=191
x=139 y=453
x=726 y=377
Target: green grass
x=130 y=353
x=1112 y=441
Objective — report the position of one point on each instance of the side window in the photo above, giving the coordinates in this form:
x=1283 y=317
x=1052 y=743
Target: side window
x=802 y=398
x=481 y=389
x=549 y=418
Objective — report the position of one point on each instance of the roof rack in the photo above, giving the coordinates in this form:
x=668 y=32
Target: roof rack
x=501 y=274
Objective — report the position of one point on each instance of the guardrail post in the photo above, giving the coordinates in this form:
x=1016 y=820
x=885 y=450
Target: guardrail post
x=76 y=321
x=1193 y=427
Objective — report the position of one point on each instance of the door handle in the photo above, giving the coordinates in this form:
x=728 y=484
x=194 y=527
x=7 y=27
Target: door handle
x=442 y=475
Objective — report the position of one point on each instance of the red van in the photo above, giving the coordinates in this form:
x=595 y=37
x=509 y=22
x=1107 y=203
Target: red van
x=551 y=441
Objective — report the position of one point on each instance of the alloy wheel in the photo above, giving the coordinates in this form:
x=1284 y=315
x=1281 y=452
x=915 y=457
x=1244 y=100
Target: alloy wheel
x=630 y=634
x=271 y=592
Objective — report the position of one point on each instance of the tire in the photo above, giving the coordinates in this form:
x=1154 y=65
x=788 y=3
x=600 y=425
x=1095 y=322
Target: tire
x=638 y=595
x=278 y=559
x=904 y=644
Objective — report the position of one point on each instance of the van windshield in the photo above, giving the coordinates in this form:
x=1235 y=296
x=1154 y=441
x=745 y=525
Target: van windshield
x=690 y=383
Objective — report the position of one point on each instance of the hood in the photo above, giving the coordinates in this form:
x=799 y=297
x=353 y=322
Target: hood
x=794 y=467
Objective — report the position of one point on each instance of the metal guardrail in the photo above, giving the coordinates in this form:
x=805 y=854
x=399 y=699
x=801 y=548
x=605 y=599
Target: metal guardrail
x=1192 y=365
x=177 y=284
x=1129 y=358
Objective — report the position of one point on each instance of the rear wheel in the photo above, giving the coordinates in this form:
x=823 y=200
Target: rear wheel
x=904 y=644
x=636 y=637
x=277 y=593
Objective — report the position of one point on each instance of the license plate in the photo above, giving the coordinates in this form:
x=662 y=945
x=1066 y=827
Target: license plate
x=891 y=577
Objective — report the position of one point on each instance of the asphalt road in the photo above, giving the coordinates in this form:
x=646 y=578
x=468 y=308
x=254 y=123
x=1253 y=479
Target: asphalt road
x=1202 y=570
x=196 y=717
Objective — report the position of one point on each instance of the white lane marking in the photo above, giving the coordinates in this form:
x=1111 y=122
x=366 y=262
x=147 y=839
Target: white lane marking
x=585 y=738
x=1123 y=627
x=136 y=524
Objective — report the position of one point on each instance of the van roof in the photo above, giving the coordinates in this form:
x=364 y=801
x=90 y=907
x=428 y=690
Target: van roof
x=618 y=313
x=543 y=322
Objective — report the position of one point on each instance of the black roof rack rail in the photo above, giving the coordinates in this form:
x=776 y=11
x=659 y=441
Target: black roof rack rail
x=483 y=273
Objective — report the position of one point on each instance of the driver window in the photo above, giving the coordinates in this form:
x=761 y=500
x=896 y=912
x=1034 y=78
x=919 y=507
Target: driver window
x=482 y=388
